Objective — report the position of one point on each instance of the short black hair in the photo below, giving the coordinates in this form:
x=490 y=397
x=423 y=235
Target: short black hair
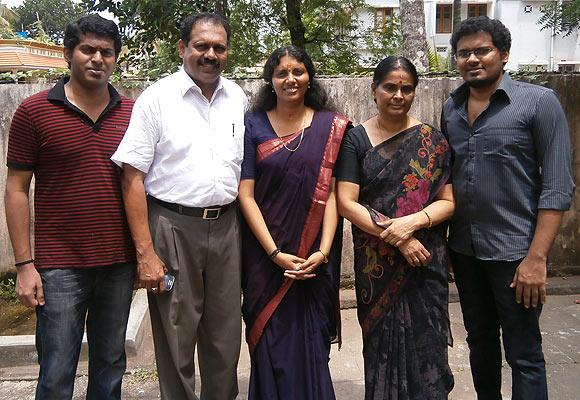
x=500 y=35
x=315 y=96
x=392 y=63
x=189 y=22
x=95 y=24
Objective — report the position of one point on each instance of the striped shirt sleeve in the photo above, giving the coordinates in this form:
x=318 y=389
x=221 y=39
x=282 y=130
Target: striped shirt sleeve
x=552 y=142
x=22 y=141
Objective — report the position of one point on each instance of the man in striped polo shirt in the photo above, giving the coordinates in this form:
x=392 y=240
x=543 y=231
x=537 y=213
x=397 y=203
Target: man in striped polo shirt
x=84 y=262
x=512 y=181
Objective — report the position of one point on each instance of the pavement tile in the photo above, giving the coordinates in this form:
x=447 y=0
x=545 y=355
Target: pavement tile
x=561 y=334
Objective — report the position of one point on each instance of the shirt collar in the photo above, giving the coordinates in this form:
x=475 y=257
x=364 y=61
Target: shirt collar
x=505 y=85
x=57 y=93
x=186 y=83
x=459 y=95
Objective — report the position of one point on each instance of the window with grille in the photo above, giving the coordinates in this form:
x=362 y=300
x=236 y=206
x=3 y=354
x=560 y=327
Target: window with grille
x=476 y=10
x=443 y=18
x=382 y=16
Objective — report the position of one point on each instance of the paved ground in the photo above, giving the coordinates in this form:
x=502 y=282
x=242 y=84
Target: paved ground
x=560 y=329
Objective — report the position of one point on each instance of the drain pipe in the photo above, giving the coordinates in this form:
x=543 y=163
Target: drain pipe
x=553 y=40
x=552 y=49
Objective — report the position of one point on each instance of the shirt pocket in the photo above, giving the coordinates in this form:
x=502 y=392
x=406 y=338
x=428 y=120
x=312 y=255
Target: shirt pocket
x=504 y=143
x=232 y=140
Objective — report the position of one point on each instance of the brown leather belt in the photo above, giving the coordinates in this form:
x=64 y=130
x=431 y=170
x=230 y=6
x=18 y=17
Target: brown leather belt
x=212 y=212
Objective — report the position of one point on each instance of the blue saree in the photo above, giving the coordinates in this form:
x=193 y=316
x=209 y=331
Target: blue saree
x=290 y=324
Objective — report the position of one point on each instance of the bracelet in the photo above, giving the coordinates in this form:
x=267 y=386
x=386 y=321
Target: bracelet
x=325 y=259
x=275 y=253
x=429 y=218
x=21 y=263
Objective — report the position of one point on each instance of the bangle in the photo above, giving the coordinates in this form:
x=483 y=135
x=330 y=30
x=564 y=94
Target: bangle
x=429 y=218
x=21 y=263
x=275 y=253
x=325 y=259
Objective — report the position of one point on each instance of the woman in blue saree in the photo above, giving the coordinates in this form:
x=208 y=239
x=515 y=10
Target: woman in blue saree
x=292 y=236
x=393 y=185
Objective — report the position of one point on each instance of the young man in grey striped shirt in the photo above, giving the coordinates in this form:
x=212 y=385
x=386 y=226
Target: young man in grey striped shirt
x=512 y=181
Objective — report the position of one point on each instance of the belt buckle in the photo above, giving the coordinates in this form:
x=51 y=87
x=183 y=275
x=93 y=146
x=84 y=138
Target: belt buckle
x=207 y=213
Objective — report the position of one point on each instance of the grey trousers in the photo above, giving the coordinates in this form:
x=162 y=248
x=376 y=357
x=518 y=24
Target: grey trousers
x=204 y=307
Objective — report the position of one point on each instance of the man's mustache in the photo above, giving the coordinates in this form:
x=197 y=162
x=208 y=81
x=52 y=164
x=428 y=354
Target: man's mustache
x=208 y=61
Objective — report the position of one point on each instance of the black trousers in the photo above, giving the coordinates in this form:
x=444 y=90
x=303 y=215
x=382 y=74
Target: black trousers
x=488 y=304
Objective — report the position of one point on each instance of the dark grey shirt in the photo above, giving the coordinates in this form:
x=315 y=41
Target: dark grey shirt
x=514 y=160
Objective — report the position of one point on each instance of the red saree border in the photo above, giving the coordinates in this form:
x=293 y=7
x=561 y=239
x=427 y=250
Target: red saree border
x=271 y=146
x=322 y=189
x=313 y=219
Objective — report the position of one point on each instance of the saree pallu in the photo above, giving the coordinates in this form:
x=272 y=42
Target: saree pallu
x=290 y=324
x=403 y=309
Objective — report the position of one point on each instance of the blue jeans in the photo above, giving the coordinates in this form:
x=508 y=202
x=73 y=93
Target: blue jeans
x=102 y=296
x=488 y=304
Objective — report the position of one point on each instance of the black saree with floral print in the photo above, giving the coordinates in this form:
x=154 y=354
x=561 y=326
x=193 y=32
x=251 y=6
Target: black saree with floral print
x=403 y=309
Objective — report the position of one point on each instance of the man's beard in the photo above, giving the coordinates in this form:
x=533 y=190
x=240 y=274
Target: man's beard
x=481 y=83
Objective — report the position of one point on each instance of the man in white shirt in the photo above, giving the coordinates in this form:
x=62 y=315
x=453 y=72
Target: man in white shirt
x=181 y=158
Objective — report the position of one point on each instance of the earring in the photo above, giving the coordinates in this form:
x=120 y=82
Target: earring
x=308 y=85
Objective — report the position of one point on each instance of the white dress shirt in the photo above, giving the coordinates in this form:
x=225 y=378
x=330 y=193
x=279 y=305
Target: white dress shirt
x=190 y=148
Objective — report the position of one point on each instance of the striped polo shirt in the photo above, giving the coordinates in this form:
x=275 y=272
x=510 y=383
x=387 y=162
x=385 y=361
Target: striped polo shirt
x=514 y=160
x=79 y=216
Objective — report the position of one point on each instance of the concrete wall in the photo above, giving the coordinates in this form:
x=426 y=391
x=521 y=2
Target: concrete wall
x=566 y=250
x=351 y=97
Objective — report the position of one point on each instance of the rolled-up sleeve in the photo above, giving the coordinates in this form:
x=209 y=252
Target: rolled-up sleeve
x=138 y=145
x=552 y=137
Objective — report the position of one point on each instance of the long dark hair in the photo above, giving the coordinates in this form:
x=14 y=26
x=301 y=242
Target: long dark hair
x=315 y=97
x=392 y=63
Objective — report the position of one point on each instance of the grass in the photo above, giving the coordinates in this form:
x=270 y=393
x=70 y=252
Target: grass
x=8 y=289
x=15 y=318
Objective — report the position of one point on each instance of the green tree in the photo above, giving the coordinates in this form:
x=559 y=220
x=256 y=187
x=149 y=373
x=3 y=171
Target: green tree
x=54 y=14
x=40 y=34
x=330 y=32
x=561 y=16
x=256 y=31
x=151 y=29
x=387 y=41
x=325 y=28
x=7 y=17
x=415 y=46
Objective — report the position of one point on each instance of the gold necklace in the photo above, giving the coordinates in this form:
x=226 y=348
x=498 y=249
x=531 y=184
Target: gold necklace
x=389 y=134
x=301 y=136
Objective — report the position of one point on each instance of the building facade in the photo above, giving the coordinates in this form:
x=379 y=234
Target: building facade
x=532 y=48
x=25 y=55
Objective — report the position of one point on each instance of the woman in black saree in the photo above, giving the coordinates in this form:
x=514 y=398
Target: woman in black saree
x=394 y=186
